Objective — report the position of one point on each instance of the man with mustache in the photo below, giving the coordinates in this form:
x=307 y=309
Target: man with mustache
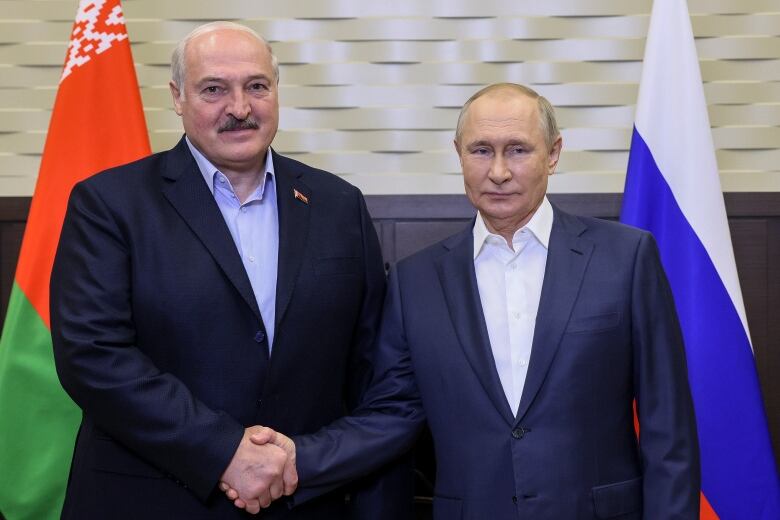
x=205 y=290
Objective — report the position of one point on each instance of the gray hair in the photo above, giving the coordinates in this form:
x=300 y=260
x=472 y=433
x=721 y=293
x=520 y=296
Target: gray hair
x=547 y=122
x=178 y=67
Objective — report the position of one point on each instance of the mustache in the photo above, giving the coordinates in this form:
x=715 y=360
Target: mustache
x=234 y=123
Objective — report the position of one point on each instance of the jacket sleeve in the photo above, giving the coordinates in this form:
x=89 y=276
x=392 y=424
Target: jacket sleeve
x=385 y=424
x=387 y=493
x=149 y=412
x=668 y=440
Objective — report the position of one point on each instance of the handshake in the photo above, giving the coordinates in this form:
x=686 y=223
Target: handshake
x=262 y=469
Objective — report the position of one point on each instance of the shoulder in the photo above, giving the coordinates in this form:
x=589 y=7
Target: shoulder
x=598 y=229
x=139 y=173
x=430 y=255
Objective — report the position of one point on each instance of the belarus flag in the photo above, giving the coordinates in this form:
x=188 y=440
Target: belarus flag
x=97 y=122
x=673 y=190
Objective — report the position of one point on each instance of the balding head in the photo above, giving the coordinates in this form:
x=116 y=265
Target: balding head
x=547 y=122
x=178 y=58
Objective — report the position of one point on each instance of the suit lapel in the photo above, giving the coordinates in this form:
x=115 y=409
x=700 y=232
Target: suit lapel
x=191 y=198
x=567 y=258
x=293 y=229
x=459 y=282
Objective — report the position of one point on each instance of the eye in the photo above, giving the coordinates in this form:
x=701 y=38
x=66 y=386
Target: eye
x=517 y=150
x=480 y=151
x=257 y=86
x=211 y=90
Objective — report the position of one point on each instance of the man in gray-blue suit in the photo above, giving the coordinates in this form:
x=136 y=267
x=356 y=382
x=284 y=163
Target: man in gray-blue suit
x=525 y=340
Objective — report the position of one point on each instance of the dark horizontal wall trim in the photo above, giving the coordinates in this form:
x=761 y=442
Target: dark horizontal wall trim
x=606 y=205
x=738 y=204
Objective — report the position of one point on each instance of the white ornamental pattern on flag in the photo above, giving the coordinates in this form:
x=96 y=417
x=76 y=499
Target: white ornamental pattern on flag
x=93 y=33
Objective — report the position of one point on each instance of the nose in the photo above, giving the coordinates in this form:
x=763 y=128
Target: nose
x=239 y=106
x=499 y=172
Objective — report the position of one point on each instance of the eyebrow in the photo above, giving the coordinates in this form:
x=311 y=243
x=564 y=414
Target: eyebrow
x=220 y=79
x=512 y=142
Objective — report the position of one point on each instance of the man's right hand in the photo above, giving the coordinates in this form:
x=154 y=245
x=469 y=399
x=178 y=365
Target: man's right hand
x=259 y=473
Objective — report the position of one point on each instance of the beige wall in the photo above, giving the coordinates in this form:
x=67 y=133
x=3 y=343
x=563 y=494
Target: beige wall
x=371 y=89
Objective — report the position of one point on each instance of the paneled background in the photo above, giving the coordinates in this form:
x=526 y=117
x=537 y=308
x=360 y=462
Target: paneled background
x=371 y=90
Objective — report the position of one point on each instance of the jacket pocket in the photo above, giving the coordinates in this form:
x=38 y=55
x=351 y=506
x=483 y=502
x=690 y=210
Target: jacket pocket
x=445 y=508
x=595 y=323
x=336 y=266
x=617 y=499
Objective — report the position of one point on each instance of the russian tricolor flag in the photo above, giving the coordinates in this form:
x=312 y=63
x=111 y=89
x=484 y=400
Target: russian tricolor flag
x=673 y=190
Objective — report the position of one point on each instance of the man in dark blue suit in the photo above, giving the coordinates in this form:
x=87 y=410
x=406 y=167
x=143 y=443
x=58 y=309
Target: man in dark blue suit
x=525 y=340
x=206 y=290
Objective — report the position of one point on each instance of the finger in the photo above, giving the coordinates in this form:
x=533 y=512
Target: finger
x=276 y=488
x=232 y=494
x=263 y=436
x=253 y=507
x=264 y=499
x=223 y=486
x=290 y=479
x=239 y=503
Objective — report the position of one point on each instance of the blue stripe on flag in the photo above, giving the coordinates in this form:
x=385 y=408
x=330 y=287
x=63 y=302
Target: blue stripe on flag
x=736 y=454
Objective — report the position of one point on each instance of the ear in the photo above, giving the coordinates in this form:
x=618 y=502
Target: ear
x=555 y=154
x=176 y=94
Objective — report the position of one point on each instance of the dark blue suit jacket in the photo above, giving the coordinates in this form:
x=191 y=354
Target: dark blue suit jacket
x=606 y=334
x=158 y=337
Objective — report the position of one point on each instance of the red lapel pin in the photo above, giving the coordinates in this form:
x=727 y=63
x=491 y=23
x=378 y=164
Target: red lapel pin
x=300 y=196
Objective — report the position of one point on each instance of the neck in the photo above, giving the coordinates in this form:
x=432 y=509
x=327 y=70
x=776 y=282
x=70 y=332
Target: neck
x=506 y=228
x=244 y=183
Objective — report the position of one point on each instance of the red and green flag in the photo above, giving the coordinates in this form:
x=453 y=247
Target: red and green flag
x=97 y=122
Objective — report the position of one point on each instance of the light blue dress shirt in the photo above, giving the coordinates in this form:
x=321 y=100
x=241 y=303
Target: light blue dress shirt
x=254 y=226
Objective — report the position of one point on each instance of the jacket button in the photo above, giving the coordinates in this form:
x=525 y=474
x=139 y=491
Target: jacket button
x=518 y=433
x=514 y=499
x=259 y=336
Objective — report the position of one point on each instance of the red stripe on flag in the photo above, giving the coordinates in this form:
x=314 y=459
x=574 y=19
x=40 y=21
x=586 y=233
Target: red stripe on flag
x=97 y=122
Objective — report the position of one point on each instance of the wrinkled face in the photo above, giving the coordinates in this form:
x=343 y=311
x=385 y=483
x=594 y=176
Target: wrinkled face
x=230 y=110
x=505 y=159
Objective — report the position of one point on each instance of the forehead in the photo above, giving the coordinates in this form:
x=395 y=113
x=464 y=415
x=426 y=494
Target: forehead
x=502 y=113
x=226 y=53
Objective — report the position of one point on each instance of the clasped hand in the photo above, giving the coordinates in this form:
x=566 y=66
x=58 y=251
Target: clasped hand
x=262 y=469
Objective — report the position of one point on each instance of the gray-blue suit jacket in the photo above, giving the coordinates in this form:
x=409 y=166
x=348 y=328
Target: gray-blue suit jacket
x=606 y=335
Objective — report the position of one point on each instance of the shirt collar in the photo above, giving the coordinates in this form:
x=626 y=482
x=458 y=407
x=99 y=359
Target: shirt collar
x=540 y=226
x=209 y=171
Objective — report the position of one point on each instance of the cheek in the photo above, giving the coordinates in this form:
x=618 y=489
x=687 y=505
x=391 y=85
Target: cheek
x=472 y=177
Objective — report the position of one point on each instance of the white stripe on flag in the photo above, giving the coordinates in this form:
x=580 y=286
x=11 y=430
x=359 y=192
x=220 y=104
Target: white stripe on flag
x=672 y=119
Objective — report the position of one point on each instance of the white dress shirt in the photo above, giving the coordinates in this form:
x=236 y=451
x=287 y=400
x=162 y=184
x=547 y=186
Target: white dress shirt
x=510 y=285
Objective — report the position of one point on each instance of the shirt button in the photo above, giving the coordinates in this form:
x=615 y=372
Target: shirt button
x=259 y=336
x=222 y=180
x=522 y=362
x=516 y=315
x=243 y=209
x=251 y=258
